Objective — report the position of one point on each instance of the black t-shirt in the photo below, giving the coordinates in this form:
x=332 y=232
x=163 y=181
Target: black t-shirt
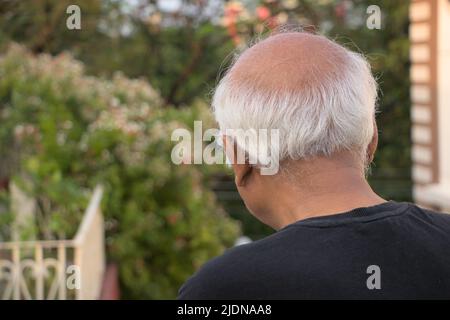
x=388 y=251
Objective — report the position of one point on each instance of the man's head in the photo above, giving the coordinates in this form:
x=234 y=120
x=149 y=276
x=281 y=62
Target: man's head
x=318 y=95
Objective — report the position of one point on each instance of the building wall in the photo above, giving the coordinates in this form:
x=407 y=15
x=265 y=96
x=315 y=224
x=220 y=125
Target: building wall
x=430 y=96
x=443 y=92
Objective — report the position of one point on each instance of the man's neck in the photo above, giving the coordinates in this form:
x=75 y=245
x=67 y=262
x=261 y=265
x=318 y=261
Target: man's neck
x=332 y=189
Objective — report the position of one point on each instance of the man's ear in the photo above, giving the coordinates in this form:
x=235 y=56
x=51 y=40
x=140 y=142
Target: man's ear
x=372 y=147
x=241 y=170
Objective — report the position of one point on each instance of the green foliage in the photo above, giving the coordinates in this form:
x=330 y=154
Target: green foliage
x=71 y=131
x=6 y=216
x=180 y=53
x=181 y=59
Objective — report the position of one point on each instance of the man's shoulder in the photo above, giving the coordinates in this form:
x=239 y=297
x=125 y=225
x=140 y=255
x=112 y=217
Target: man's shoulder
x=440 y=219
x=428 y=229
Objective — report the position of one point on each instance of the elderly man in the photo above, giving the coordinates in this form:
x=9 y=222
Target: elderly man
x=336 y=238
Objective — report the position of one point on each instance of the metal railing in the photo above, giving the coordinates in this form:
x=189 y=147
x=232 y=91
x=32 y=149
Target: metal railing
x=57 y=269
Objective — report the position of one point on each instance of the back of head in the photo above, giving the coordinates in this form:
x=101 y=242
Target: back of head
x=318 y=95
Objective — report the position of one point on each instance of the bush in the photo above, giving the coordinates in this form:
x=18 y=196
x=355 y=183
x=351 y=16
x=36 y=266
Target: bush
x=63 y=132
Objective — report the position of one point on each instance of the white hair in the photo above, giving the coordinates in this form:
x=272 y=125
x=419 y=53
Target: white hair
x=333 y=114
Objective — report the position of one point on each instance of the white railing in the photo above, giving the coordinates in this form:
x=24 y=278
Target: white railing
x=59 y=269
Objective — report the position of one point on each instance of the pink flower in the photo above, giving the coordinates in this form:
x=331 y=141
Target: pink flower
x=262 y=13
x=233 y=9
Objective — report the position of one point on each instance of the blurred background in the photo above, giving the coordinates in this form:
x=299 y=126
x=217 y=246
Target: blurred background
x=86 y=117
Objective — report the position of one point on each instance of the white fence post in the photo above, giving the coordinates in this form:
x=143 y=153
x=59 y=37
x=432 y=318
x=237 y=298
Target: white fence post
x=88 y=256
